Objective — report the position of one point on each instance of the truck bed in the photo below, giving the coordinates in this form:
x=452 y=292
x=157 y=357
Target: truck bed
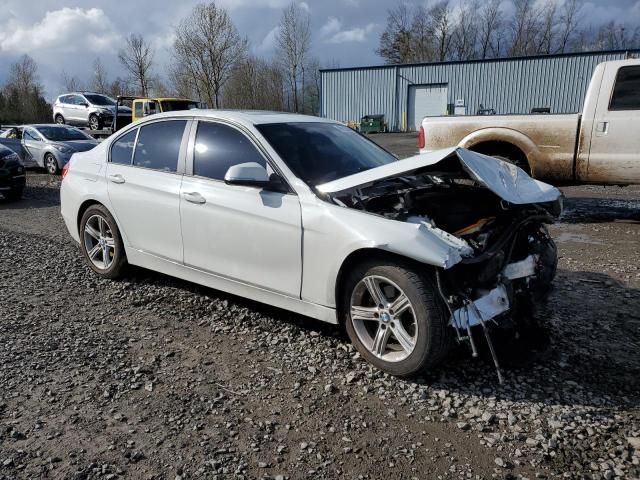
x=548 y=141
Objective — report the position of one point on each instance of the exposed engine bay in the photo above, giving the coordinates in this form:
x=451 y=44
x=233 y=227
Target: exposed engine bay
x=513 y=259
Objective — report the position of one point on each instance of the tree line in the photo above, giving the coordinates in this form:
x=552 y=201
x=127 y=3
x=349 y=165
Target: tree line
x=475 y=29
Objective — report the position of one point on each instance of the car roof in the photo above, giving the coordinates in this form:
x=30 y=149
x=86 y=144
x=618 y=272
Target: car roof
x=251 y=117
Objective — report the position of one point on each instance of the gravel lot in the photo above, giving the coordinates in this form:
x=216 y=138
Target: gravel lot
x=152 y=377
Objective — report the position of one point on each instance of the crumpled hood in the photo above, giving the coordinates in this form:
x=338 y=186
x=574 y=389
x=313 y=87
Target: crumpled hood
x=509 y=182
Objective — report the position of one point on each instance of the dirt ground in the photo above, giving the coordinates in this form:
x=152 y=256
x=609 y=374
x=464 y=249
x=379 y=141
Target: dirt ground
x=152 y=377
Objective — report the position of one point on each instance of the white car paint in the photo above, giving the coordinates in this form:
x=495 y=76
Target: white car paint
x=283 y=249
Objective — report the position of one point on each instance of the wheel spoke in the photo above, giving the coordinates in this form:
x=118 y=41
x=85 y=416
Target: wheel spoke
x=101 y=226
x=110 y=242
x=402 y=336
x=374 y=290
x=92 y=231
x=94 y=251
x=364 y=313
x=106 y=258
x=380 y=340
x=400 y=304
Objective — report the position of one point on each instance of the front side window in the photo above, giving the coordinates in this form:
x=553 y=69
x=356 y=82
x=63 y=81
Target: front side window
x=100 y=100
x=138 y=109
x=626 y=92
x=321 y=152
x=122 y=148
x=76 y=100
x=158 y=145
x=30 y=135
x=219 y=147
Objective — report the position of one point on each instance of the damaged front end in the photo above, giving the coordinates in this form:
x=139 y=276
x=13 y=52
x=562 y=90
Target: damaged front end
x=494 y=208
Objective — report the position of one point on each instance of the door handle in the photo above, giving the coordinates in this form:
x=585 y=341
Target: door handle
x=602 y=127
x=117 y=178
x=194 y=197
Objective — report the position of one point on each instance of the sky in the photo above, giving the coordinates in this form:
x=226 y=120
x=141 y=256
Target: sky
x=67 y=35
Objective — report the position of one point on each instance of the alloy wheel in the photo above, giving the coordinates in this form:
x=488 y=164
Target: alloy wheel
x=51 y=164
x=93 y=122
x=99 y=243
x=383 y=318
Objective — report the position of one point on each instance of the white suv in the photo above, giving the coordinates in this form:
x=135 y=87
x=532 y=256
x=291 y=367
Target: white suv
x=87 y=109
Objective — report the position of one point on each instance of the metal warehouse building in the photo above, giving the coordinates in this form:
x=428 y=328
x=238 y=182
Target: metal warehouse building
x=407 y=93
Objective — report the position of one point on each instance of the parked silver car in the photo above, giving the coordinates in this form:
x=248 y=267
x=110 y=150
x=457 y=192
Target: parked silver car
x=87 y=109
x=48 y=145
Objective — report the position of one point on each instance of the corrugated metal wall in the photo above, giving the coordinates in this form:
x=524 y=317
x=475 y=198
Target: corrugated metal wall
x=506 y=85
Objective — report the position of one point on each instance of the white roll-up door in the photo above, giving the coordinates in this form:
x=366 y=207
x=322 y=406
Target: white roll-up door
x=426 y=101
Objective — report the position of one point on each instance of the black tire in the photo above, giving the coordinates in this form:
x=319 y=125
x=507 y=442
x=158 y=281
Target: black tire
x=119 y=262
x=59 y=119
x=15 y=194
x=94 y=122
x=433 y=337
x=51 y=164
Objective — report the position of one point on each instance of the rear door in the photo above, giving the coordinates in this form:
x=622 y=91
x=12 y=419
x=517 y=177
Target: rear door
x=241 y=233
x=144 y=175
x=615 y=139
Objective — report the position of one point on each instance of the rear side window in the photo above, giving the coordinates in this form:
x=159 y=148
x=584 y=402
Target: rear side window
x=158 y=145
x=219 y=147
x=626 y=92
x=138 y=109
x=122 y=149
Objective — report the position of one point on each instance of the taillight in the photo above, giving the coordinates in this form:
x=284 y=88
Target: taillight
x=421 y=137
x=65 y=169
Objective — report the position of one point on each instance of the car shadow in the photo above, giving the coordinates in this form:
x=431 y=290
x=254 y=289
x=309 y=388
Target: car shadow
x=592 y=324
x=46 y=195
x=600 y=210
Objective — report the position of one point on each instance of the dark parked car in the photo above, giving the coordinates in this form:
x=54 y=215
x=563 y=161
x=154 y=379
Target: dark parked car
x=12 y=174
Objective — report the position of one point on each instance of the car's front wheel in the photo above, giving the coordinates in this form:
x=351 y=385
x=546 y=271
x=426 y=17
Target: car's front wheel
x=94 y=122
x=101 y=243
x=51 y=164
x=394 y=317
x=59 y=119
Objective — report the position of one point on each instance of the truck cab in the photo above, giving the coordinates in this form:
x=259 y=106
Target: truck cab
x=143 y=107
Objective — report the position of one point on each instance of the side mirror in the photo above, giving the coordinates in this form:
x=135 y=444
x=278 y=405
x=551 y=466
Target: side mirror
x=251 y=174
x=84 y=104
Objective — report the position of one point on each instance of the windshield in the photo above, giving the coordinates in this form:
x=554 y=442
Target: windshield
x=61 y=133
x=322 y=152
x=172 y=105
x=101 y=100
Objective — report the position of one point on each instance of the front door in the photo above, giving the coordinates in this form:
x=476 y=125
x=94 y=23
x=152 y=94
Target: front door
x=615 y=139
x=241 y=233
x=144 y=175
x=33 y=145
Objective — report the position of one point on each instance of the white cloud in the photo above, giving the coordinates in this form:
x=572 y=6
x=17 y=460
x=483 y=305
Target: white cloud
x=332 y=26
x=353 y=35
x=69 y=29
x=304 y=6
x=268 y=43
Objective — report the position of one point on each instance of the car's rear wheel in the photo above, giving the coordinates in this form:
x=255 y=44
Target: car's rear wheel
x=101 y=243
x=59 y=119
x=394 y=317
x=94 y=122
x=51 y=164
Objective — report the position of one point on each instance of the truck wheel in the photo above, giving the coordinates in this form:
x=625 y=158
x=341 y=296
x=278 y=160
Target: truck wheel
x=94 y=122
x=59 y=119
x=394 y=317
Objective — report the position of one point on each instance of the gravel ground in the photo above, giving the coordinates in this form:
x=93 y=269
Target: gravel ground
x=152 y=377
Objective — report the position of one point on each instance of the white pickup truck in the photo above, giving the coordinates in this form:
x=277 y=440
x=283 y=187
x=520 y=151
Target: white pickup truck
x=600 y=146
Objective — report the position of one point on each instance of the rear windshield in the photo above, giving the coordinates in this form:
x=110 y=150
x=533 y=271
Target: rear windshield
x=171 y=105
x=61 y=133
x=318 y=153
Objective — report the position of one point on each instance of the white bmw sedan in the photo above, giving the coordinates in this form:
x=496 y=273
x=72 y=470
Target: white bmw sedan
x=308 y=215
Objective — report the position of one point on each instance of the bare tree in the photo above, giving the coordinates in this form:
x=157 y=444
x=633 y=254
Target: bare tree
x=206 y=48
x=71 y=83
x=255 y=84
x=442 y=29
x=293 y=41
x=569 y=21
x=465 y=35
x=524 y=28
x=22 y=95
x=137 y=59
x=100 y=81
x=547 y=27
x=490 y=25
x=396 y=42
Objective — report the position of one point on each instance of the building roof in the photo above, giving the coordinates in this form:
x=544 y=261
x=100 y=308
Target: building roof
x=628 y=52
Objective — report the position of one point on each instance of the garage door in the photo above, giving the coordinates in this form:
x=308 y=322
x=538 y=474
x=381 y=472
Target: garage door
x=426 y=101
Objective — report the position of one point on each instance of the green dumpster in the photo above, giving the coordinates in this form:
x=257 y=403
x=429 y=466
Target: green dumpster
x=373 y=124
